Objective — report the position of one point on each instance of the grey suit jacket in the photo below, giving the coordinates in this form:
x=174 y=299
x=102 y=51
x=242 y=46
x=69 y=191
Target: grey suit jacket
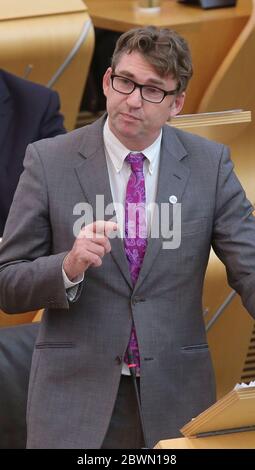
x=77 y=359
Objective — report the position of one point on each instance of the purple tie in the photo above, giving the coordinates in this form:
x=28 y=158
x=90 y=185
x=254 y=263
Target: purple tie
x=135 y=240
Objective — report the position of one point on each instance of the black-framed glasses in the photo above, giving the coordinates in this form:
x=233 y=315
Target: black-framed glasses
x=149 y=93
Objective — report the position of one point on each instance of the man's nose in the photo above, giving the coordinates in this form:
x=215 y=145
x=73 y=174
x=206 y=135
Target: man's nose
x=135 y=98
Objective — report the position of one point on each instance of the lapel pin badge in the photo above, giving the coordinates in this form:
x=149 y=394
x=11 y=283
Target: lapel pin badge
x=173 y=199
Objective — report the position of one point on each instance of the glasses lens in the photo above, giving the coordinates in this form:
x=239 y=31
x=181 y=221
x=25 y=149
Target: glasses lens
x=123 y=85
x=126 y=86
x=152 y=94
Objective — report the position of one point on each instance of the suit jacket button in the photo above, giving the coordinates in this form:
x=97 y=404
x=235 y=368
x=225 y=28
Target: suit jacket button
x=136 y=300
x=118 y=360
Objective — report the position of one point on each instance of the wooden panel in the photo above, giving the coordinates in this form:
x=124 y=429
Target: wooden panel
x=16 y=319
x=241 y=440
x=248 y=373
x=45 y=42
x=27 y=8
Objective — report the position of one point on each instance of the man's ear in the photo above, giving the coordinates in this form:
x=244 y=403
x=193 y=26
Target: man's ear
x=177 y=105
x=107 y=80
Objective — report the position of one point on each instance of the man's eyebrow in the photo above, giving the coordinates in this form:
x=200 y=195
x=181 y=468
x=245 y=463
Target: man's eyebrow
x=150 y=81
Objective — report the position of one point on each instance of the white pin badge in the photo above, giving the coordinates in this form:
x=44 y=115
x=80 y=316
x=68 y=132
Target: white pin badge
x=173 y=199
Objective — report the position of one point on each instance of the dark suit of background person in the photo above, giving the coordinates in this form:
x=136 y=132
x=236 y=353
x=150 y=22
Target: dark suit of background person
x=28 y=112
x=77 y=361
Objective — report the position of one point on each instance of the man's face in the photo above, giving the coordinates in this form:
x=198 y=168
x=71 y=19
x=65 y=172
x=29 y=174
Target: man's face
x=134 y=121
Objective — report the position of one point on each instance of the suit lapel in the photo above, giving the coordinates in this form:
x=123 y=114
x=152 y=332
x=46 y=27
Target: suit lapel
x=94 y=181
x=173 y=177
x=6 y=113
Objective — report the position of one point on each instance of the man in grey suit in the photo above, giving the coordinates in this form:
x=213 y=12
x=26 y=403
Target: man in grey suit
x=96 y=287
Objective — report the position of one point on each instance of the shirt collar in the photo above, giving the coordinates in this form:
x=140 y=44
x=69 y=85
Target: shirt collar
x=118 y=152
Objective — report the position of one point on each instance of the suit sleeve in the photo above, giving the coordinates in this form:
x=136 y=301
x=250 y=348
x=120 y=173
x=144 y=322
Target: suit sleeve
x=234 y=233
x=30 y=276
x=52 y=123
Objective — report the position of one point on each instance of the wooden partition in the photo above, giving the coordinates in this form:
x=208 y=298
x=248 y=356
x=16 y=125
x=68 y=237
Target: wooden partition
x=42 y=34
x=239 y=440
x=16 y=319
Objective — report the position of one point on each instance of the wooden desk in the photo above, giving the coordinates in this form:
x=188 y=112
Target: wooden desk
x=121 y=15
x=239 y=440
x=210 y=33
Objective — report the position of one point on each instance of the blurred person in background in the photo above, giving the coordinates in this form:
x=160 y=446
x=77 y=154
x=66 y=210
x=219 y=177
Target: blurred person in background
x=28 y=112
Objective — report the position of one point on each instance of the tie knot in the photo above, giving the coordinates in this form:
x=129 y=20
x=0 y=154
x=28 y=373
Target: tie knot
x=136 y=161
